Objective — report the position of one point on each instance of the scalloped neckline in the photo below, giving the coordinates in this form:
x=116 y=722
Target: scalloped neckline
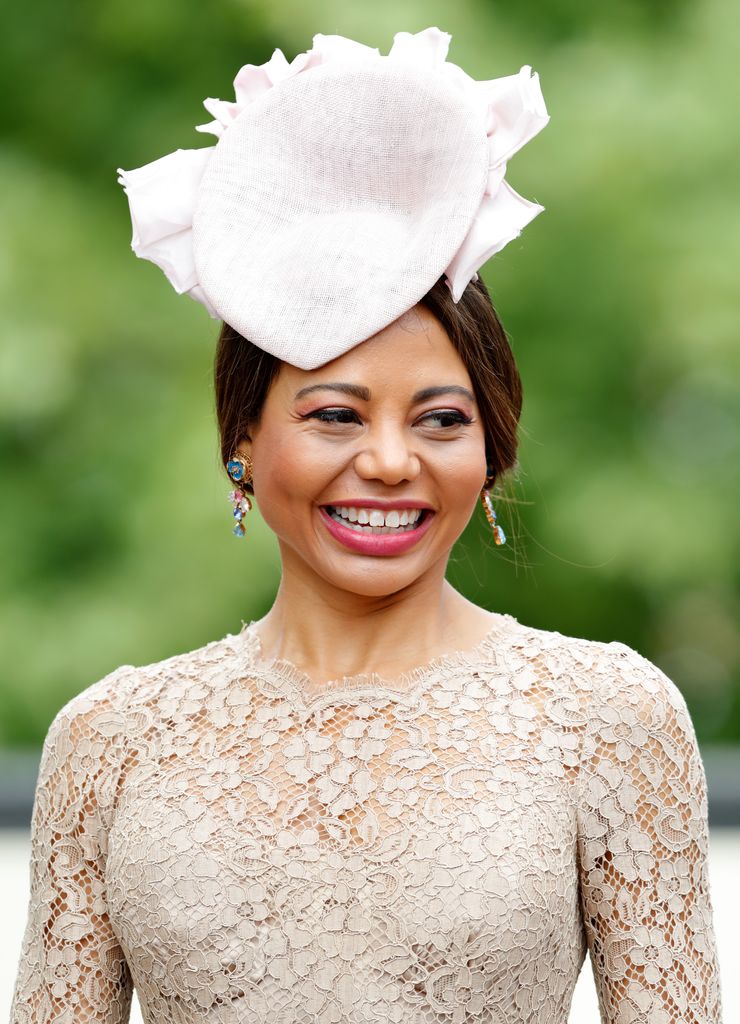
x=404 y=683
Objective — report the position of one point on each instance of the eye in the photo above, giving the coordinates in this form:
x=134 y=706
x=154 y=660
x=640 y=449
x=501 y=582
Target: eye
x=451 y=418
x=338 y=415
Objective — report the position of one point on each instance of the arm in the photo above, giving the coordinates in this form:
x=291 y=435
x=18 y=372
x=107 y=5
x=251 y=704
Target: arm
x=71 y=969
x=642 y=846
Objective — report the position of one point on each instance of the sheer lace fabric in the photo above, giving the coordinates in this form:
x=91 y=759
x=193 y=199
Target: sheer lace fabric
x=244 y=846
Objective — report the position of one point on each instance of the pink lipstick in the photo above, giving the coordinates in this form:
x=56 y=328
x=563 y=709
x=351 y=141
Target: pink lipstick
x=377 y=543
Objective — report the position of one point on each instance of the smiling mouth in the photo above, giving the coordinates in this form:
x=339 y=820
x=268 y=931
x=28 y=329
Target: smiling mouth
x=375 y=521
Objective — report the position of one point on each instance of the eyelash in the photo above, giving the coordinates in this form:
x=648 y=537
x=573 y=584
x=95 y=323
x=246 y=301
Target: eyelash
x=328 y=416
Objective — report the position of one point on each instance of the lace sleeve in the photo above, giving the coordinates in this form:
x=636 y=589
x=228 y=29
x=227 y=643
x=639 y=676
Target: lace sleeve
x=71 y=968
x=642 y=845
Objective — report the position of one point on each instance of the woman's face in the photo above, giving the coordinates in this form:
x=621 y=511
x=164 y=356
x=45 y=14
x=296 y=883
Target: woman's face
x=390 y=428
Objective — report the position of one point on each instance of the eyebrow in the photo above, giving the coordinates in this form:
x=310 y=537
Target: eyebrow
x=363 y=393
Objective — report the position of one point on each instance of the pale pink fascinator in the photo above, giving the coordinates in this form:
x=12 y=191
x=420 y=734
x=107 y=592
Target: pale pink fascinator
x=342 y=186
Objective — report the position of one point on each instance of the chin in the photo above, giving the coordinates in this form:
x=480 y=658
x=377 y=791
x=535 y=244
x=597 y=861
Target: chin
x=378 y=577
x=379 y=588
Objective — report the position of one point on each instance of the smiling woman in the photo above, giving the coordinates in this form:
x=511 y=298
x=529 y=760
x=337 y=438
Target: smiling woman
x=380 y=801
x=416 y=420
x=469 y=402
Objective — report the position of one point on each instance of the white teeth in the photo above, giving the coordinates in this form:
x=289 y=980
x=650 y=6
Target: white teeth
x=373 y=520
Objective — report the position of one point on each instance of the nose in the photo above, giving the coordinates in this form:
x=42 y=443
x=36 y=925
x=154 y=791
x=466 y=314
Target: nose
x=387 y=456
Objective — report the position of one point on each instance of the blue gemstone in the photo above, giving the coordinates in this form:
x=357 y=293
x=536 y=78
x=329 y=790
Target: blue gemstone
x=238 y=530
x=235 y=470
x=238 y=513
x=501 y=535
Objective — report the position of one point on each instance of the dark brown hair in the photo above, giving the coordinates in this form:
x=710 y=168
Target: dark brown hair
x=243 y=374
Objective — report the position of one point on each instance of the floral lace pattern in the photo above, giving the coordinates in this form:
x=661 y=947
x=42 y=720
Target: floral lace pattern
x=448 y=847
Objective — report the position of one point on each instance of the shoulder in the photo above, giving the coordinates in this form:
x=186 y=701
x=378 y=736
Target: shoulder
x=633 y=716
x=637 y=712
x=604 y=677
x=107 y=706
x=207 y=664
x=557 y=650
x=558 y=659
x=99 y=709
x=629 y=678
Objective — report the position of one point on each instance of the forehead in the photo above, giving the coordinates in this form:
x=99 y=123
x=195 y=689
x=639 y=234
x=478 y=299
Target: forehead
x=414 y=350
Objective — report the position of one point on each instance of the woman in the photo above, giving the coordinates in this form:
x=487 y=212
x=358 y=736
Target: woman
x=380 y=801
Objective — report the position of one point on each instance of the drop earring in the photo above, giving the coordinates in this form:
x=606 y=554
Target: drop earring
x=239 y=468
x=498 y=534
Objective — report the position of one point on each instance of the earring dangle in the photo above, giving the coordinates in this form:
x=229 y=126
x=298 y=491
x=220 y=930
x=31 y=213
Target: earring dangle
x=498 y=534
x=239 y=469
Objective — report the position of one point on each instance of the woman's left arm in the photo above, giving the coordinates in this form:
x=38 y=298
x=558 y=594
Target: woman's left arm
x=642 y=849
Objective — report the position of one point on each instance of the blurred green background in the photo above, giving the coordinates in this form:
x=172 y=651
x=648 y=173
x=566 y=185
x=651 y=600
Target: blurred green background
x=621 y=302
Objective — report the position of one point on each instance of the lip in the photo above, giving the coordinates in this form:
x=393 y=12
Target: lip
x=377 y=543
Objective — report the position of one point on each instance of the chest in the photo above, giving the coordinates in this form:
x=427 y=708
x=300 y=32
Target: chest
x=369 y=836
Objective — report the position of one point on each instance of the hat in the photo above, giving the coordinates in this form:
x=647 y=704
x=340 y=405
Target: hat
x=341 y=187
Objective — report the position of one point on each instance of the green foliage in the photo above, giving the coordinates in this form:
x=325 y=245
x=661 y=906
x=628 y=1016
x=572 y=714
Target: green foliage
x=620 y=300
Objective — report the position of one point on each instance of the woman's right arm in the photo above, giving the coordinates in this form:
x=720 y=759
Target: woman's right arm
x=72 y=969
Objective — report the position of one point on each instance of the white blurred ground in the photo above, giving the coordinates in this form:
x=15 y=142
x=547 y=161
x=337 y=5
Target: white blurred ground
x=724 y=877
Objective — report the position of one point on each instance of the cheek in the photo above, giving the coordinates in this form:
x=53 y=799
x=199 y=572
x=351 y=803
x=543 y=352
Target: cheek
x=290 y=470
x=461 y=472
x=461 y=486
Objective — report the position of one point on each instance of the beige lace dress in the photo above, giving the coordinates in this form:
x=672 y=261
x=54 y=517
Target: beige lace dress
x=246 y=847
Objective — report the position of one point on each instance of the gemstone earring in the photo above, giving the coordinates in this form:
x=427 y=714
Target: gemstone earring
x=239 y=468
x=498 y=534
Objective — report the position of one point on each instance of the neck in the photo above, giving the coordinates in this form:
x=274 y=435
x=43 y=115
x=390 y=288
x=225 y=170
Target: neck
x=330 y=632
